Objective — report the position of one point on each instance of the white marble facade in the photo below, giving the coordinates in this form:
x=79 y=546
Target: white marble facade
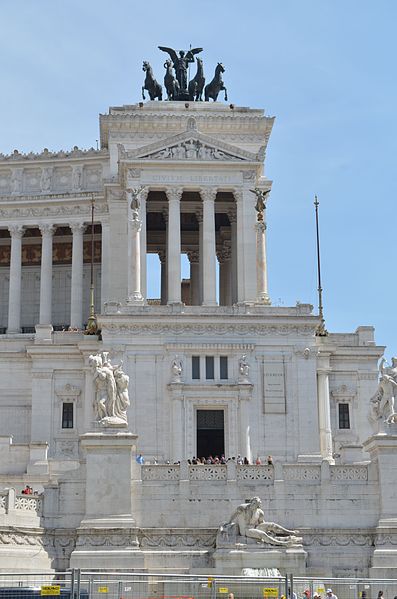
x=215 y=344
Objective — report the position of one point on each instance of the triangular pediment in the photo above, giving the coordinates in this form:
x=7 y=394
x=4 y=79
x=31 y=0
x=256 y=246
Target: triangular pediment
x=191 y=145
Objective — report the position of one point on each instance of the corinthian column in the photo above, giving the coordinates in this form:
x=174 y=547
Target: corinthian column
x=143 y=235
x=134 y=283
x=14 y=293
x=47 y=232
x=209 y=248
x=261 y=266
x=174 y=245
x=76 y=297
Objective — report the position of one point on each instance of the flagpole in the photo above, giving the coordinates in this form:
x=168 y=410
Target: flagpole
x=321 y=331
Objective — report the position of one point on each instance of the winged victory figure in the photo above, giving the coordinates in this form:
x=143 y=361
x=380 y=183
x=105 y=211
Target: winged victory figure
x=180 y=64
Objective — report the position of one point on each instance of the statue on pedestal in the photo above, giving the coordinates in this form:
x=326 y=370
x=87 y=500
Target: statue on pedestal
x=261 y=200
x=382 y=403
x=176 y=370
x=111 y=391
x=249 y=521
x=244 y=369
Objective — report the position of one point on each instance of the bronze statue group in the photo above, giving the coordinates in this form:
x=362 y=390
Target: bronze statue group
x=176 y=78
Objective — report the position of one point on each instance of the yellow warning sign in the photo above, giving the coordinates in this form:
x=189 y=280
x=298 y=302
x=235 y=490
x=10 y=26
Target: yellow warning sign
x=210 y=581
x=103 y=589
x=223 y=590
x=270 y=592
x=53 y=589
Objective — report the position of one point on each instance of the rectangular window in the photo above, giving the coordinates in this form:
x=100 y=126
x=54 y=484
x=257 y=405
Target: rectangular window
x=195 y=367
x=223 y=367
x=344 y=415
x=67 y=415
x=209 y=368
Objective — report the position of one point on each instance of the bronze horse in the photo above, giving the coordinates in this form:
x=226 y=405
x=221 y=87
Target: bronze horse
x=196 y=85
x=150 y=84
x=212 y=89
x=170 y=82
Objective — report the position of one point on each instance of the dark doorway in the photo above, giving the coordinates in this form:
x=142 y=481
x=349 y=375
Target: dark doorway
x=210 y=433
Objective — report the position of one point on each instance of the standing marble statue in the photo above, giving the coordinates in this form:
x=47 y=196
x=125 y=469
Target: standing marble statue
x=176 y=370
x=248 y=521
x=244 y=369
x=382 y=403
x=111 y=391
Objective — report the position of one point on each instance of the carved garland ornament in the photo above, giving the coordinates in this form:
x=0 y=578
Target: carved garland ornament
x=243 y=329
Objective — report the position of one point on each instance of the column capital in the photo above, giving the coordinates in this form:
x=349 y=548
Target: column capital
x=174 y=193
x=162 y=254
x=208 y=194
x=47 y=229
x=238 y=194
x=77 y=228
x=224 y=253
x=165 y=216
x=194 y=256
x=16 y=231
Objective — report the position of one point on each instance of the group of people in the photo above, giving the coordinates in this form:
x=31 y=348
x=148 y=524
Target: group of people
x=307 y=595
x=213 y=460
x=29 y=491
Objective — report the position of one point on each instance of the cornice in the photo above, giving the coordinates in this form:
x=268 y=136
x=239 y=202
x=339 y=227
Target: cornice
x=18 y=159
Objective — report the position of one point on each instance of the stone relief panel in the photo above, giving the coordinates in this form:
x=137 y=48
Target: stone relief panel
x=32 y=180
x=5 y=182
x=62 y=178
x=92 y=176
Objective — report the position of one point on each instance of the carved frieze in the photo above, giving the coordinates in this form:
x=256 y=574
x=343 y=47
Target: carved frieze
x=196 y=329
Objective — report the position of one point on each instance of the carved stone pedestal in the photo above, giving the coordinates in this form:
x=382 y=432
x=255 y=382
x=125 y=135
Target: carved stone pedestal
x=233 y=560
x=382 y=448
x=107 y=535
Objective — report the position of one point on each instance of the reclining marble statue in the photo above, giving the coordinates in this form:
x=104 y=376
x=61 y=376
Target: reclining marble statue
x=248 y=521
x=111 y=391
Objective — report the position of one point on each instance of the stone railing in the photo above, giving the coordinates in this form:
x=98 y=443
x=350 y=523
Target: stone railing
x=10 y=502
x=255 y=473
x=262 y=474
x=349 y=472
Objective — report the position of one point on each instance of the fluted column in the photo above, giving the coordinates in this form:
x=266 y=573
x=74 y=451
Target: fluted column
x=232 y=214
x=163 y=265
x=105 y=263
x=194 y=277
x=224 y=276
x=47 y=233
x=143 y=199
x=261 y=265
x=174 y=245
x=209 y=248
x=199 y=216
x=14 y=293
x=76 y=297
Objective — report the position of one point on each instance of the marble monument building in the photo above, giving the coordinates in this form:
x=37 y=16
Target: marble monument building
x=209 y=367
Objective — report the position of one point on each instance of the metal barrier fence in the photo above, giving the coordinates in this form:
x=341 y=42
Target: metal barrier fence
x=78 y=584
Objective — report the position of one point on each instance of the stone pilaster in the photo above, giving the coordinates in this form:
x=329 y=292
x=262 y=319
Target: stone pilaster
x=47 y=233
x=14 y=294
x=324 y=411
x=105 y=263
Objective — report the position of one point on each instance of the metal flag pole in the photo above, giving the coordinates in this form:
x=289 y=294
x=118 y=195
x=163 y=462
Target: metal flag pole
x=92 y=325
x=321 y=331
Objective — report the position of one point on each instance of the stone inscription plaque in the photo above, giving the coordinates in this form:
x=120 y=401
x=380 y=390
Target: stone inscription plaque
x=274 y=388
x=150 y=176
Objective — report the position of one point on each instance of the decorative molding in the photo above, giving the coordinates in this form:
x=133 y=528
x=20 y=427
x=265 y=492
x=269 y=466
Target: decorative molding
x=205 y=329
x=339 y=540
x=76 y=152
x=49 y=211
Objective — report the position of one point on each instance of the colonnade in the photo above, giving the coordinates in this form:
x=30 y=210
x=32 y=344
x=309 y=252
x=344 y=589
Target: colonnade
x=15 y=285
x=242 y=257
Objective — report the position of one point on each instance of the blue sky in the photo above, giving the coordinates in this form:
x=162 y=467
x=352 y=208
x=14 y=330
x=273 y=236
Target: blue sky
x=325 y=69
